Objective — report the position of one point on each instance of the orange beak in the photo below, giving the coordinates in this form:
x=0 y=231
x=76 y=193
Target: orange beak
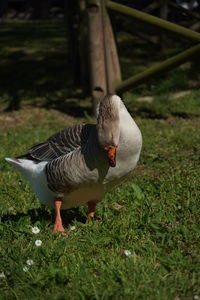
x=111 y=153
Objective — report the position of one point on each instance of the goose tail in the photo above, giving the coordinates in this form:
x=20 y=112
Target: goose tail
x=22 y=165
x=13 y=161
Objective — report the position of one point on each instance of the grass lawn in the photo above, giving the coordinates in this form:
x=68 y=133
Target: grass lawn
x=154 y=214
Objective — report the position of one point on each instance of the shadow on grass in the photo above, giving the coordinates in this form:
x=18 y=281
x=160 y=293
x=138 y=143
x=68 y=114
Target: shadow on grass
x=31 y=78
x=72 y=106
x=68 y=216
x=49 y=79
x=35 y=67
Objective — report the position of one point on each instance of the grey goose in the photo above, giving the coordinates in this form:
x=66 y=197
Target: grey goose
x=79 y=164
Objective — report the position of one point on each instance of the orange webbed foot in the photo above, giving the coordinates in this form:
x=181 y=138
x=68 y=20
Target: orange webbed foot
x=58 y=227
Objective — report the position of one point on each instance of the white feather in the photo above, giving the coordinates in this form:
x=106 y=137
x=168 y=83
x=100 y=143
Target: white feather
x=35 y=174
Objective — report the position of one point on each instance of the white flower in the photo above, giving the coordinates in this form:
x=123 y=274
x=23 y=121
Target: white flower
x=35 y=229
x=127 y=252
x=29 y=262
x=25 y=269
x=2 y=275
x=38 y=243
x=72 y=228
x=196 y=297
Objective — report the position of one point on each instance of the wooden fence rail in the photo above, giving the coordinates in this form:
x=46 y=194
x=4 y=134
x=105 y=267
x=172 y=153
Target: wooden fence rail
x=166 y=65
x=155 y=21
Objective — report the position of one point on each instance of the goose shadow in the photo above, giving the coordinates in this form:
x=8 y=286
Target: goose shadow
x=68 y=216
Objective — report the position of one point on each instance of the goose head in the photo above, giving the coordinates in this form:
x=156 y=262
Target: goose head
x=108 y=126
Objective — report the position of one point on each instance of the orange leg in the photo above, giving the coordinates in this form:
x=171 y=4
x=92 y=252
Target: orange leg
x=58 y=227
x=91 y=209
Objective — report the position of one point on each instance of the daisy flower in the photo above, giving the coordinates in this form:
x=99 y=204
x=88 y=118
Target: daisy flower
x=35 y=230
x=2 y=275
x=72 y=228
x=29 y=262
x=127 y=252
x=38 y=243
x=25 y=269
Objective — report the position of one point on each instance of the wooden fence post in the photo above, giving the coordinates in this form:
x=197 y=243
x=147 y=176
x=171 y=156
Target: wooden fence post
x=112 y=66
x=83 y=48
x=97 y=69
x=104 y=67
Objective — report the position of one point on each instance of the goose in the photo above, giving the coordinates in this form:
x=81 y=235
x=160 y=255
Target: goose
x=78 y=165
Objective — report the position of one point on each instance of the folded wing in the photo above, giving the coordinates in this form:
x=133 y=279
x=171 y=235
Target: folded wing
x=63 y=142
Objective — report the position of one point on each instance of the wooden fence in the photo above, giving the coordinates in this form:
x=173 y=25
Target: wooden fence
x=104 y=68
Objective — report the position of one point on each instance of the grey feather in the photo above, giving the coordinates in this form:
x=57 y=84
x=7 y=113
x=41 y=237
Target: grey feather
x=61 y=143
